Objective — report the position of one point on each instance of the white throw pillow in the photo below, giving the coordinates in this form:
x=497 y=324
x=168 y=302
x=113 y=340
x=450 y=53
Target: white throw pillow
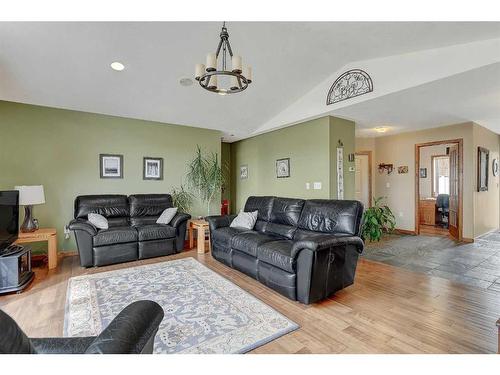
x=245 y=220
x=98 y=221
x=167 y=215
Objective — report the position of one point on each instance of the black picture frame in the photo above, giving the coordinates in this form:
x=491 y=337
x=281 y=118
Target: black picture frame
x=148 y=172
x=423 y=173
x=108 y=172
x=483 y=158
x=280 y=172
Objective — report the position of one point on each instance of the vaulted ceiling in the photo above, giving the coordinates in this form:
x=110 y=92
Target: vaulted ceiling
x=66 y=65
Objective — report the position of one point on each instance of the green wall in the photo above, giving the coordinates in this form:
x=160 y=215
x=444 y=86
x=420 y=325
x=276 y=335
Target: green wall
x=311 y=147
x=60 y=150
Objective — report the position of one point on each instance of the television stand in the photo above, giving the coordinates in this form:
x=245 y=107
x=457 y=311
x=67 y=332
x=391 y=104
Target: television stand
x=15 y=269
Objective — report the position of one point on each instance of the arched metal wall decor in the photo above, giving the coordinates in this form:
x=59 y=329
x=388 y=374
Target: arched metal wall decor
x=352 y=83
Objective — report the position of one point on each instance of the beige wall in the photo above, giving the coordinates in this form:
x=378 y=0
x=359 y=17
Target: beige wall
x=481 y=210
x=486 y=203
x=399 y=189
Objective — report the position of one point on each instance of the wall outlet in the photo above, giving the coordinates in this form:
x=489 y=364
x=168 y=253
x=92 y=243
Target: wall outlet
x=308 y=185
x=387 y=185
x=66 y=232
x=317 y=186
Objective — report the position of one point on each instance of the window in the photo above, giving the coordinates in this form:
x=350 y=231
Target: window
x=440 y=175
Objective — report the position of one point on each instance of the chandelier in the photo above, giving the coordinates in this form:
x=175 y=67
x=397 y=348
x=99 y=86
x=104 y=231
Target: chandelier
x=223 y=81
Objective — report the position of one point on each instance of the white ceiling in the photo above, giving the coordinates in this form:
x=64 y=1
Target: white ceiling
x=66 y=65
x=471 y=96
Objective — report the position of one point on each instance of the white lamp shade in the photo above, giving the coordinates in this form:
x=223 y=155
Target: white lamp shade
x=199 y=70
x=29 y=195
x=248 y=73
x=211 y=61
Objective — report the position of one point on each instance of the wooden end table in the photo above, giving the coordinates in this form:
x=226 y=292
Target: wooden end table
x=201 y=226
x=43 y=234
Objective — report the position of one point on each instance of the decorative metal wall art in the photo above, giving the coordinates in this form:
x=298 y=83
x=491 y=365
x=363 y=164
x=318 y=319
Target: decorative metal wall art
x=403 y=169
x=352 y=83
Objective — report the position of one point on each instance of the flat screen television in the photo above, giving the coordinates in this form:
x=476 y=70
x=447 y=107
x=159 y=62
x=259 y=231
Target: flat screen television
x=9 y=218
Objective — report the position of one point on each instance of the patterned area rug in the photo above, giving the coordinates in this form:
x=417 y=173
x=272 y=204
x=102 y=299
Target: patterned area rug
x=204 y=312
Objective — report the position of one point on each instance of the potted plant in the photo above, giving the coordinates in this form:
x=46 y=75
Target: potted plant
x=378 y=219
x=182 y=199
x=206 y=176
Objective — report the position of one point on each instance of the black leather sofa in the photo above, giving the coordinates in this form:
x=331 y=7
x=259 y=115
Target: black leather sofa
x=132 y=234
x=131 y=332
x=303 y=249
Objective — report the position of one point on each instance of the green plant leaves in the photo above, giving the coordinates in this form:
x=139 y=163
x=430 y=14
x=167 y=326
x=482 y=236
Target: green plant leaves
x=377 y=220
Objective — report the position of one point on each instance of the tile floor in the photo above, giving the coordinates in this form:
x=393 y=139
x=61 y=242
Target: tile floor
x=476 y=264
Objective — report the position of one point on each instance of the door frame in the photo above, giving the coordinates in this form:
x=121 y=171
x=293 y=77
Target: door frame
x=460 y=143
x=369 y=153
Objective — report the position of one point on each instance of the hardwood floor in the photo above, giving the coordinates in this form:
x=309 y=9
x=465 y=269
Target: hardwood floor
x=387 y=310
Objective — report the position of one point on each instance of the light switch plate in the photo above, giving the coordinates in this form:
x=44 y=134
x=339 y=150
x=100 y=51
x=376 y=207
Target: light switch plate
x=317 y=186
x=387 y=184
x=308 y=185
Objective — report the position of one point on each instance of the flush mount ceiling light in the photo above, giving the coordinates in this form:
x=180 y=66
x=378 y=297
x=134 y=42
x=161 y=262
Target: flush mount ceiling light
x=118 y=66
x=223 y=81
x=381 y=129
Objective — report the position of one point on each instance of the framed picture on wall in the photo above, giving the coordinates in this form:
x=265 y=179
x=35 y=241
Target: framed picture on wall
x=111 y=166
x=423 y=172
x=483 y=157
x=283 y=168
x=152 y=168
x=244 y=172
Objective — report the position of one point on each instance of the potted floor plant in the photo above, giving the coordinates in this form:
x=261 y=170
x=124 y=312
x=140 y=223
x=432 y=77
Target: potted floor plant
x=206 y=177
x=378 y=219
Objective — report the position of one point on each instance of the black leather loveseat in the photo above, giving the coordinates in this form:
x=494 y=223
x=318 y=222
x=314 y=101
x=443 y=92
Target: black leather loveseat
x=132 y=234
x=303 y=249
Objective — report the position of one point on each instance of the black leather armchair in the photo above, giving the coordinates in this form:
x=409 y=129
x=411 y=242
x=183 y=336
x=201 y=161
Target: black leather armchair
x=131 y=332
x=133 y=232
x=303 y=249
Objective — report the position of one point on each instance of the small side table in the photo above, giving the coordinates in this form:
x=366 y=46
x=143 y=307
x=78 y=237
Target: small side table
x=201 y=226
x=43 y=234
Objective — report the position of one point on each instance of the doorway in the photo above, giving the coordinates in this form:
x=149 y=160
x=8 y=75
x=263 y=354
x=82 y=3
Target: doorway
x=363 y=178
x=438 y=188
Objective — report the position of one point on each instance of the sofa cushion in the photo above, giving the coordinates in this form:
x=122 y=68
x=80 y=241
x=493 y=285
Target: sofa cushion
x=286 y=211
x=223 y=236
x=331 y=216
x=263 y=205
x=149 y=204
x=248 y=242
x=115 y=235
x=278 y=254
x=110 y=205
x=155 y=232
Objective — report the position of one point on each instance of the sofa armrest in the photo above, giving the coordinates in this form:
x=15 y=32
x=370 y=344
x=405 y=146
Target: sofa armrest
x=132 y=331
x=219 y=221
x=85 y=225
x=325 y=242
x=179 y=218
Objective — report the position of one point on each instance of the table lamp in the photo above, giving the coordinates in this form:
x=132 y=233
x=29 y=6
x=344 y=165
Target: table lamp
x=29 y=196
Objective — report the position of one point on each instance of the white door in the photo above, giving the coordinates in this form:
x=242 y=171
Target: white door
x=362 y=180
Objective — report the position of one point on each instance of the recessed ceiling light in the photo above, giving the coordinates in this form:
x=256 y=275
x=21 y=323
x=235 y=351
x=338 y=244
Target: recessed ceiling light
x=381 y=129
x=186 y=81
x=118 y=66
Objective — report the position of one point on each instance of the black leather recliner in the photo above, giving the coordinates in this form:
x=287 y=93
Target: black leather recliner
x=131 y=332
x=303 y=249
x=132 y=234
